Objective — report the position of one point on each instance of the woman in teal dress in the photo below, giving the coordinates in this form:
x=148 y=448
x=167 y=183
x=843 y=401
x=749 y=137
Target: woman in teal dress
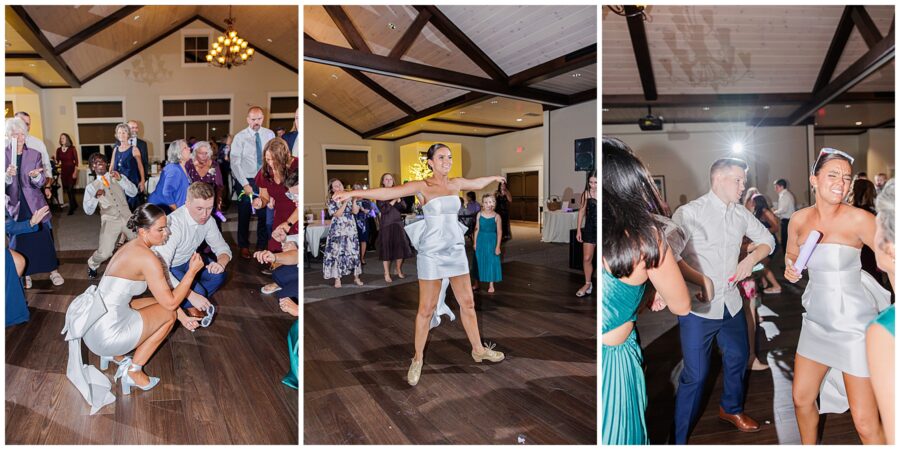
x=634 y=251
x=488 y=226
x=880 y=335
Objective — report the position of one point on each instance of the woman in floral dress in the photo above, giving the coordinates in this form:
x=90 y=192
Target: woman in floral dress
x=341 y=256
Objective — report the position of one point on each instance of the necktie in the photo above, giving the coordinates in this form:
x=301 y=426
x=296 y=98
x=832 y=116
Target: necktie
x=259 y=157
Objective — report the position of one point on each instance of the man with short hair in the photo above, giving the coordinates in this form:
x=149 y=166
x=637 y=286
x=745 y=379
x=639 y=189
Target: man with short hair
x=880 y=181
x=714 y=226
x=190 y=226
x=36 y=143
x=142 y=147
x=784 y=210
x=246 y=160
x=108 y=191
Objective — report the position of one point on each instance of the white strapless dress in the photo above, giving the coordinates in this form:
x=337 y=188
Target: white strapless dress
x=103 y=318
x=840 y=300
x=439 y=240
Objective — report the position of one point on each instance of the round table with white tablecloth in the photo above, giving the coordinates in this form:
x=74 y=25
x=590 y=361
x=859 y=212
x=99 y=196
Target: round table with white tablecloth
x=557 y=225
x=314 y=233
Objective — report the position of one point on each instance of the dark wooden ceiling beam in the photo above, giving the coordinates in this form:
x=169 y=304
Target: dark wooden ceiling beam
x=333 y=55
x=583 y=96
x=22 y=56
x=459 y=102
x=346 y=27
x=410 y=35
x=328 y=115
x=467 y=123
x=462 y=41
x=879 y=55
x=865 y=25
x=90 y=31
x=556 y=67
x=18 y=18
x=641 y=48
x=836 y=49
x=720 y=100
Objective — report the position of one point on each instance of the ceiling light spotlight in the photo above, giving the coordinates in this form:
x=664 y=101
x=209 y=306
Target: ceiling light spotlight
x=858 y=123
x=494 y=102
x=392 y=26
x=576 y=75
x=737 y=147
x=847 y=106
x=519 y=119
x=605 y=109
x=706 y=108
x=766 y=107
x=137 y=17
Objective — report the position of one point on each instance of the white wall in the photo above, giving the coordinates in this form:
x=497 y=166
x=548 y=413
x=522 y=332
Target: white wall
x=561 y=128
x=879 y=150
x=683 y=154
x=156 y=72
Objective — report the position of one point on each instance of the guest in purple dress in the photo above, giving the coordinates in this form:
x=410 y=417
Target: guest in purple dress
x=203 y=167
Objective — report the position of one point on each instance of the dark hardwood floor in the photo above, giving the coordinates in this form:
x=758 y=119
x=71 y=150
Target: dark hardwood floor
x=357 y=350
x=220 y=385
x=768 y=398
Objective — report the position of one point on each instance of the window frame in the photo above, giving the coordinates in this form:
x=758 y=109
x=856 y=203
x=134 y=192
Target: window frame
x=206 y=118
x=196 y=32
x=289 y=115
x=326 y=166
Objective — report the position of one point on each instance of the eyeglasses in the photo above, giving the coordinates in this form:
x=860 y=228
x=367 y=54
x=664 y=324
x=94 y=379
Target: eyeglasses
x=210 y=312
x=830 y=151
x=291 y=196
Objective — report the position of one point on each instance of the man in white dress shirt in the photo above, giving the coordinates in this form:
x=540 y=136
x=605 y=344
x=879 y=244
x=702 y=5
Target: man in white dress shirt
x=246 y=160
x=36 y=143
x=786 y=207
x=714 y=226
x=109 y=191
x=189 y=226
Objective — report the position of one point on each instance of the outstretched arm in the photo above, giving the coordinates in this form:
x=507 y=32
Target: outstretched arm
x=477 y=184
x=390 y=193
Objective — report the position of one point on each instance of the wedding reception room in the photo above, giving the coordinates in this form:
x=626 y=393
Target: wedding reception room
x=768 y=135
x=131 y=172
x=448 y=157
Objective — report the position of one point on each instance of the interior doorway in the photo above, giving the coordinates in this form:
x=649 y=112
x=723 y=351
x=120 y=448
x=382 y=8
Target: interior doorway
x=524 y=188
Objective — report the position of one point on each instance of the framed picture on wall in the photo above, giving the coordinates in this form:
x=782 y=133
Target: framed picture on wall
x=660 y=181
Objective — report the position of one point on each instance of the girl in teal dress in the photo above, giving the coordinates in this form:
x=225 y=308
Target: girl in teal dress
x=488 y=226
x=634 y=251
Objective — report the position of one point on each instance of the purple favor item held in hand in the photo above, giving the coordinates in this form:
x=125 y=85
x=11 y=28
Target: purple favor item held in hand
x=806 y=250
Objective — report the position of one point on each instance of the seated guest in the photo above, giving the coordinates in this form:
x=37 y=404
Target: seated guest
x=16 y=308
x=171 y=190
x=110 y=191
x=190 y=226
x=25 y=177
x=203 y=167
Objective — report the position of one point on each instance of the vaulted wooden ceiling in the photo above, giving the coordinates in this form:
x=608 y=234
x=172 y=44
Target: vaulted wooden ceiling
x=386 y=72
x=766 y=65
x=66 y=46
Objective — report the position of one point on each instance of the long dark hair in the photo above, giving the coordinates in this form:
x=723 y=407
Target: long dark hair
x=864 y=195
x=760 y=205
x=69 y=142
x=630 y=232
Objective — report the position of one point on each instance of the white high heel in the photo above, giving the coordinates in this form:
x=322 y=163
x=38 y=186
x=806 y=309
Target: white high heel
x=128 y=382
x=105 y=360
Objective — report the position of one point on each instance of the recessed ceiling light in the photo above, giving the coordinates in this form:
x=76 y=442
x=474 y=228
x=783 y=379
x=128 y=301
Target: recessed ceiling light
x=462 y=112
x=494 y=102
x=706 y=108
x=519 y=119
x=32 y=65
x=134 y=43
x=269 y=40
x=8 y=44
x=137 y=17
x=392 y=26
x=846 y=106
x=474 y=129
x=766 y=107
x=605 y=109
x=315 y=95
x=576 y=75
x=858 y=123
x=334 y=76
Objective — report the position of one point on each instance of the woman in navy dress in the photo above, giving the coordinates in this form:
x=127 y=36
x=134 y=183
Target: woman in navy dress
x=126 y=159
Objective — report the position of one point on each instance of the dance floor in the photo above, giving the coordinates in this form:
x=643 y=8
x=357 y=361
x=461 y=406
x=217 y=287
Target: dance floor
x=769 y=392
x=220 y=385
x=357 y=350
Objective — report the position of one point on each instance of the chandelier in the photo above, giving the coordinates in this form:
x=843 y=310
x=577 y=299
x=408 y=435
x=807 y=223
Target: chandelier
x=638 y=10
x=229 y=49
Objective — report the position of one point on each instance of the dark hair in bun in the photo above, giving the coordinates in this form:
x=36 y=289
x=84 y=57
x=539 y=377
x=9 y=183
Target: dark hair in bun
x=144 y=216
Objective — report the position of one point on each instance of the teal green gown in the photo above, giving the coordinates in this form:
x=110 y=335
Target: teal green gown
x=623 y=392
x=294 y=351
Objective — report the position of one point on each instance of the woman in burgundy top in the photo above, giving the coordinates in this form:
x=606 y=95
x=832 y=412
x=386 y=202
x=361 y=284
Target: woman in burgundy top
x=67 y=157
x=203 y=167
x=270 y=179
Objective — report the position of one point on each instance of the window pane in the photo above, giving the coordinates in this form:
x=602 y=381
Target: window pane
x=89 y=110
x=96 y=133
x=190 y=57
x=287 y=124
x=190 y=43
x=173 y=107
x=9 y=109
x=195 y=108
x=350 y=177
x=283 y=105
x=88 y=150
x=202 y=43
x=218 y=130
x=221 y=106
x=196 y=130
x=173 y=131
x=346 y=157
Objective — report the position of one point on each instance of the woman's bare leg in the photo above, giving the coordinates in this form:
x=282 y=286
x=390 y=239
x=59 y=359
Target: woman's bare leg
x=158 y=322
x=387 y=271
x=429 y=290
x=864 y=410
x=399 y=263
x=808 y=376
x=462 y=290
x=19 y=260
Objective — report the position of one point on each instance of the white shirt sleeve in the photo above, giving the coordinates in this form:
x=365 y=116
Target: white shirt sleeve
x=90 y=202
x=129 y=187
x=238 y=157
x=215 y=240
x=756 y=231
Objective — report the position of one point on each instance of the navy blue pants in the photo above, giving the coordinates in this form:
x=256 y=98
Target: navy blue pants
x=287 y=277
x=697 y=335
x=205 y=283
x=245 y=214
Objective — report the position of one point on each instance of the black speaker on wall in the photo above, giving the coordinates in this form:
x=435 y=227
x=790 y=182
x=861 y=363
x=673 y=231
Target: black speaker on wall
x=584 y=154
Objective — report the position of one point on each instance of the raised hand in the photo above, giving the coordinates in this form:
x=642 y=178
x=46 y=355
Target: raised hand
x=39 y=215
x=789 y=273
x=196 y=263
x=35 y=172
x=11 y=171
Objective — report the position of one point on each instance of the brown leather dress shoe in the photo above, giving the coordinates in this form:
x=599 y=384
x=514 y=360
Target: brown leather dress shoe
x=245 y=253
x=194 y=312
x=741 y=421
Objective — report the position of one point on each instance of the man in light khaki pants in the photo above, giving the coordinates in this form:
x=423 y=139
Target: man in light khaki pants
x=109 y=191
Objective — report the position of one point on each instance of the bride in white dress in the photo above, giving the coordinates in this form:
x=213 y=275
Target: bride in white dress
x=111 y=324
x=439 y=240
x=840 y=300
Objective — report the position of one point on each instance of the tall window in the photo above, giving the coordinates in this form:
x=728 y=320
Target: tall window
x=95 y=121
x=203 y=119
x=281 y=111
x=348 y=164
